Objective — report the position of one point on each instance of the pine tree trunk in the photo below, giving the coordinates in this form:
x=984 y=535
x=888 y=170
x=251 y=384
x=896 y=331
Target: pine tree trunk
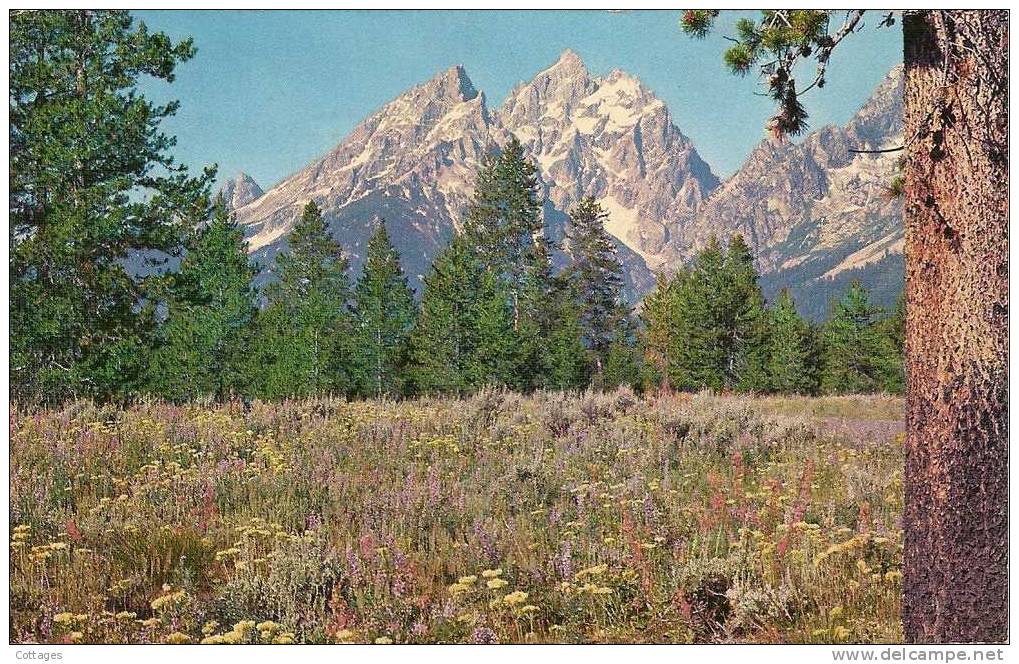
x=956 y=216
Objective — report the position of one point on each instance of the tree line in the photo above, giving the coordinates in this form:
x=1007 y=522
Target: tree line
x=493 y=311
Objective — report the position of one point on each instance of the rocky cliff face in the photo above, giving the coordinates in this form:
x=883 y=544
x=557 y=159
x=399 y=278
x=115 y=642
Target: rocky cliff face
x=611 y=138
x=813 y=210
x=239 y=191
x=815 y=213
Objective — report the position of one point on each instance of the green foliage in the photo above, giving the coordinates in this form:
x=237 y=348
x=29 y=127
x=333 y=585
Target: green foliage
x=84 y=144
x=623 y=364
x=777 y=42
x=858 y=355
x=792 y=367
x=201 y=346
x=504 y=225
x=707 y=327
x=302 y=338
x=596 y=278
x=464 y=336
x=566 y=358
x=384 y=312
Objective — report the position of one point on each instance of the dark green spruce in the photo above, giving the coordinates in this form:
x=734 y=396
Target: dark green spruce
x=303 y=336
x=202 y=343
x=384 y=313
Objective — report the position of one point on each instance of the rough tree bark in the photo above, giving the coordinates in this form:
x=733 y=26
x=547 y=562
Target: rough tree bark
x=956 y=216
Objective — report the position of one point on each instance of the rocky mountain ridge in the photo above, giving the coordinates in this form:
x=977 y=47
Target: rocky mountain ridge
x=811 y=209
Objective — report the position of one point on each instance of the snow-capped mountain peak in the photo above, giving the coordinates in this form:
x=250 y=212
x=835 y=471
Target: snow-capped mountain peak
x=414 y=163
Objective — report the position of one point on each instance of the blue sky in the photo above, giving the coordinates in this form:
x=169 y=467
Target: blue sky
x=269 y=91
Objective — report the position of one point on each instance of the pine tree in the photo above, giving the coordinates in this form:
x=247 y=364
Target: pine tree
x=504 y=229
x=464 y=338
x=210 y=308
x=623 y=366
x=660 y=317
x=504 y=223
x=790 y=367
x=744 y=320
x=303 y=336
x=565 y=361
x=702 y=340
x=597 y=277
x=384 y=312
x=857 y=358
x=84 y=143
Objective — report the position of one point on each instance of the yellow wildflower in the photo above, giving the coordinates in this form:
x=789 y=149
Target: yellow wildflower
x=63 y=618
x=495 y=584
x=515 y=597
x=177 y=638
x=492 y=573
x=383 y=641
x=467 y=580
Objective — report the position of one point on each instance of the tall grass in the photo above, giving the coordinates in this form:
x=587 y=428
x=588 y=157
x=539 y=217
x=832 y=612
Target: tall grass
x=499 y=518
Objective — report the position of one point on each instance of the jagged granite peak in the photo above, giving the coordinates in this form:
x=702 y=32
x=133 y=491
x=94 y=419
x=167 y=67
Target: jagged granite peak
x=239 y=191
x=610 y=138
x=412 y=162
x=813 y=211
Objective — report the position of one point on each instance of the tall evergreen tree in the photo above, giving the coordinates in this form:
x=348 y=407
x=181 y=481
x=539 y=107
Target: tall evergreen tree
x=791 y=368
x=210 y=308
x=744 y=319
x=84 y=142
x=303 y=335
x=504 y=223
x=504 y=228
x=660 y=315
x=856 y=356
x=565 y=359
x=384 y=312
x=464 y=338
x=704 y=347
x=597 y=277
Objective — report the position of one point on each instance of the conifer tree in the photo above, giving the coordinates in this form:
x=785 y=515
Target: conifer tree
x=744 y=320
x=209 y=312
x=857 y=358
x=504 y=223
x=791 y=368
x=660 y=317
x=504 y=229
x=464 y=338
x=623 y=366
x=84 y=143
x=384 y=312
x=303 y=336
x=565 y=359
x=704 y=345
x=597 y=277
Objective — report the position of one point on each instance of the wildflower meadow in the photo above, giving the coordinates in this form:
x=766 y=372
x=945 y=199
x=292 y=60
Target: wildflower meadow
x=500 y=518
